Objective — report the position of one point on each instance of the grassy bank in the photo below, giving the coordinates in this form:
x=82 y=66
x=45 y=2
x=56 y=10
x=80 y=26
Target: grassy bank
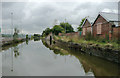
x=12 y=42
x=76 y=39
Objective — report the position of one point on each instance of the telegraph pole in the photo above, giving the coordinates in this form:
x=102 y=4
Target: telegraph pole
x=65 y=25
x=11 y=23
x=11 y=37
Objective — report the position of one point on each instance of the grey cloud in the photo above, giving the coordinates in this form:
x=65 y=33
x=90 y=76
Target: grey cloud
x=35 y=17
x=7 y=4
x=16 y=8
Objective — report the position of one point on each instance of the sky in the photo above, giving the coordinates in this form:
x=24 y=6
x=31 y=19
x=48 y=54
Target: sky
x=34 y=16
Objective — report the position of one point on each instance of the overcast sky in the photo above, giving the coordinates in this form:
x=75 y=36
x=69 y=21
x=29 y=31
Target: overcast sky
x=34 y=17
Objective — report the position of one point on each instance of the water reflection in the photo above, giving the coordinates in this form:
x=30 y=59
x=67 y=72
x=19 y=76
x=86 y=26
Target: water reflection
x=12 y=59
x=11 y=52
x=16 y=51
x=37 y=39
x=27 y=41
x=55 y=60
x=90 y=64
x=55 y=48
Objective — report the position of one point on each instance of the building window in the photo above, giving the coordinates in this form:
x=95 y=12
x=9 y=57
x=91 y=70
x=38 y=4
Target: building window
x=99 y=28
x=84 y=31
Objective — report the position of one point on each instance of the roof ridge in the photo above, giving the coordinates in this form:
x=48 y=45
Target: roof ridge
x=89 y=17
x=109 y=13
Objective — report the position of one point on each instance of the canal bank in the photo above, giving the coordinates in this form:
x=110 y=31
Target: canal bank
x=99 y=66
x=12 y=44
x=8 y=42
x=106 y=52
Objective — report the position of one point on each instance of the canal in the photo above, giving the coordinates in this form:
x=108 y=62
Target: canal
x=39 y=58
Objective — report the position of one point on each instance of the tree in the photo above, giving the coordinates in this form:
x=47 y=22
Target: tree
x=27 y=36
x=46 y=32
x=57 y=29
x=67 y=26
x=15 y=35
x=80 y=26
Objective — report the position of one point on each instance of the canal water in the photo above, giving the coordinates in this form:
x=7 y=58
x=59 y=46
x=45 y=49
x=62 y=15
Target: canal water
x=39 y=58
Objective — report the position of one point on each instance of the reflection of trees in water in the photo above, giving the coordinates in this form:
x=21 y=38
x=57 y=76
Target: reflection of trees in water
x=10 y=46
x=45 y=44
x=27 y=41
x=36 y=38
x=96 y=65
x=13 y=52
x=53 y=47
x=58 y=51
x=16 y=52
x=91 y=64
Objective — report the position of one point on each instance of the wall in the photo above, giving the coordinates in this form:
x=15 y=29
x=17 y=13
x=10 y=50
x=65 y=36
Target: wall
x=116 y=32
x=104 y=26
x=72 y=34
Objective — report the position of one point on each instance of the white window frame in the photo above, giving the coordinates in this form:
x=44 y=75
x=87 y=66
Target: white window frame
x=99 y=28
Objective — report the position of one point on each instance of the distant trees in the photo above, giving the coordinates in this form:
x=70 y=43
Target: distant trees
x=67 y=27
x=15 y=35
x=36 y=35
x=59 y=29
x=46 y=31
x=80 y=26
x=27 y=36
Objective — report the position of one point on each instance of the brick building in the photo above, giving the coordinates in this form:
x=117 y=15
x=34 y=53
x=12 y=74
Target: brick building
x=106 y=24
x=87 y=25
x=69 y=34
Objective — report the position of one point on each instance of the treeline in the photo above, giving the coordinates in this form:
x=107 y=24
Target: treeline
x=62 y=28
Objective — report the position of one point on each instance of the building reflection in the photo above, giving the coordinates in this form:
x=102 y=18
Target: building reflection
x=92 y=65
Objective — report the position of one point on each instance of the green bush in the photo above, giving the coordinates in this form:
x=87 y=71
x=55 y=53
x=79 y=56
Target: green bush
x=70 y=40
x=115 y=40
x=88 y=36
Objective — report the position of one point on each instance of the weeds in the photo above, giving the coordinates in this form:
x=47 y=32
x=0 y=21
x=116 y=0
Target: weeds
x=89 y=39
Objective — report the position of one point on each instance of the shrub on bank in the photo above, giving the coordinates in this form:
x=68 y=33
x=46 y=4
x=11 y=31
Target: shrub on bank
x=88 y=36
x=89 y=39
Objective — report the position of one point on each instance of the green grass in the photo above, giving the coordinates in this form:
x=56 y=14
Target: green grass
x=76 y=39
